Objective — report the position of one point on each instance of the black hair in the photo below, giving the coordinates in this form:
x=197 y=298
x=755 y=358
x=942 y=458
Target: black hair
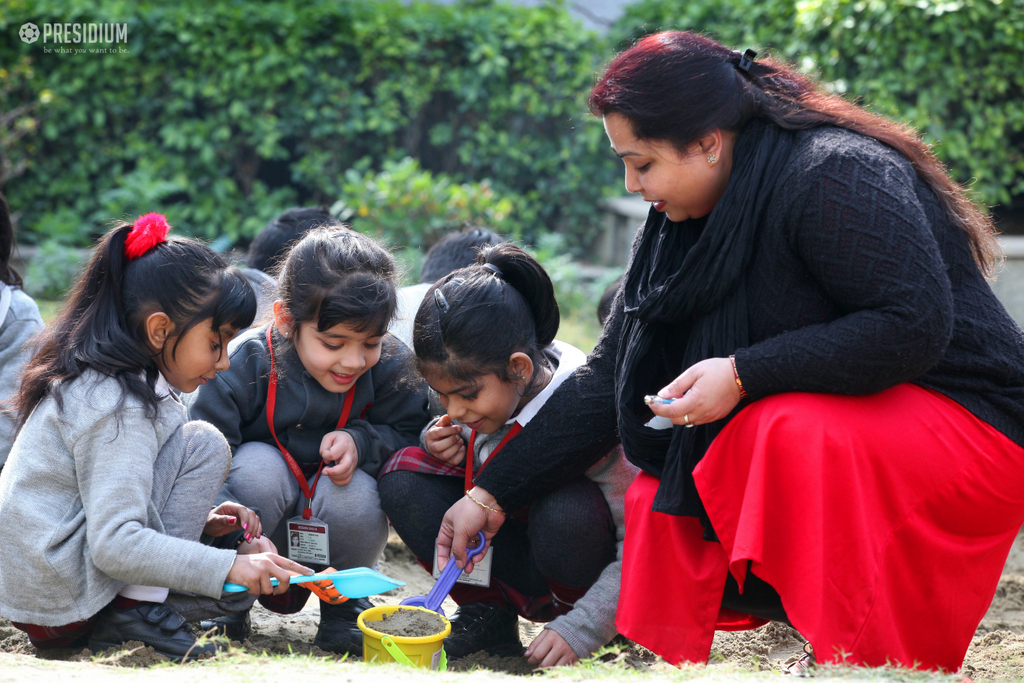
x=102 y=325
x=8 y=275
x=455 y=250
x=678 y=86
x=334 y=275
x=472 y=320
x=604 y=306
x=269 y=248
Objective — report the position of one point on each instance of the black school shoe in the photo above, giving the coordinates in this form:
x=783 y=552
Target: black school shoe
x=338 y=631
x=153 y=624
x=484 y=626
x=234 y=626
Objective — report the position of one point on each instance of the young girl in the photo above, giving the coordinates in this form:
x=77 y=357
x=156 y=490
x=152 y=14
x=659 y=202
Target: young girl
x=19 y=322
x=484 y=341
x=312 y=406
x=108 y=489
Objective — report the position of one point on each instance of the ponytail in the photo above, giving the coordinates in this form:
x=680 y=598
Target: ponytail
x=472 y=320
x=102 y=324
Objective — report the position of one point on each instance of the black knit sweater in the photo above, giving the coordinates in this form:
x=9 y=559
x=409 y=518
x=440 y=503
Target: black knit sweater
x=858 y=282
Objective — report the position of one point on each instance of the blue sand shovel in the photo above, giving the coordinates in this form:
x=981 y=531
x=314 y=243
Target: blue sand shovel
x=358 y=582
x=449 y=575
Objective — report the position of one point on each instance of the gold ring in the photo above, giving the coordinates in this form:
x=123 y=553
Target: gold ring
x=686 y=421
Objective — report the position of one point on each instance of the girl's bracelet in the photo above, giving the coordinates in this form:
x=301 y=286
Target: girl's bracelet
x=736 y=376
x=485 y=506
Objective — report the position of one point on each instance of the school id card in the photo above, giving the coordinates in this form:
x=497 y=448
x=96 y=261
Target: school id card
x=481 y=575
x=307 y=541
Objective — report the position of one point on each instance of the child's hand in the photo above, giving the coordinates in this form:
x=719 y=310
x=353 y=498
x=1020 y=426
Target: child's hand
x=338 y=449
x=228 y=517
x=550 y=649
x=260 y=544
x=254 y=572
x=444 y=441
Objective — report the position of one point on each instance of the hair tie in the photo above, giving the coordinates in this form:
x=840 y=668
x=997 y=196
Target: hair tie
x=746 y=60
x=494 y=269
x=147 y=232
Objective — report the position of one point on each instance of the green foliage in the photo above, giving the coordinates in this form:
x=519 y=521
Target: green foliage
x=950 y=68
x=737 y=23
x=223 y=114
x=52 y=270
x=576 y=294
x=403 y=204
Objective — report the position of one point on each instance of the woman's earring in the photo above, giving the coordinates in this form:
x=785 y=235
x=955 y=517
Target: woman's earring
x=712 y=159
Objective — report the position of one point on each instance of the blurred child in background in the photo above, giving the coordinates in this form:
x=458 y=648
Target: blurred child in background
x=19 y=322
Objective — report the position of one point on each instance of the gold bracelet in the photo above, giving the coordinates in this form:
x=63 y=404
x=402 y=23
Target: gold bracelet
x=485 y=506
x=736 y=376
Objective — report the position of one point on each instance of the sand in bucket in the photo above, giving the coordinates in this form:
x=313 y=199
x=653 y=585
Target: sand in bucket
x=418 y=632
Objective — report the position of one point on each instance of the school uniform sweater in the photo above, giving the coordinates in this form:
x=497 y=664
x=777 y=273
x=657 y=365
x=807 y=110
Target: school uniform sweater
x=77 y=523
x=19 y=322
x=389 y=407
x=858 y=282
x=591 y=622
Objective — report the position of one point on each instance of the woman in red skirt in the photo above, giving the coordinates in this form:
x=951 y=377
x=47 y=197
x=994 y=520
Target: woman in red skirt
x=836 y=436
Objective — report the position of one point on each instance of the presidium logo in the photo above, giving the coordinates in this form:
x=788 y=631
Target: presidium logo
x=77 y=34
x=29 y=33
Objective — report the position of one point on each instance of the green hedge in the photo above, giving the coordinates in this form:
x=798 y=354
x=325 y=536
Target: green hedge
x=224 y=113
x=951 y=68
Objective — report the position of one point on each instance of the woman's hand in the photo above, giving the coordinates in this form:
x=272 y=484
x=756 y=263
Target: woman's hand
x=550 y=649
x=461 y=523
x=338 y=449
x=444 y=441
x=228 y=517
x=255 y=571
x=706 y=392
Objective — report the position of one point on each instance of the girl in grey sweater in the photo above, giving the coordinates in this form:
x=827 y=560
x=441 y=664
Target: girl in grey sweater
x=108 y=489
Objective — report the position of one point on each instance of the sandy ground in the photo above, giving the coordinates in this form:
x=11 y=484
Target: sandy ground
x=997 y=652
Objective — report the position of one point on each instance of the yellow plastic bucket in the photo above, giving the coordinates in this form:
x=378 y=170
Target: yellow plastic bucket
x=422 y=651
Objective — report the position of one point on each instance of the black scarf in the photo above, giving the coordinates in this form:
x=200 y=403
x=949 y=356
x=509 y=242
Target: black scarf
x=685 y=301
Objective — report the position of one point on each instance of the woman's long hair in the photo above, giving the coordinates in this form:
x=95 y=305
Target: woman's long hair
x=678 y=86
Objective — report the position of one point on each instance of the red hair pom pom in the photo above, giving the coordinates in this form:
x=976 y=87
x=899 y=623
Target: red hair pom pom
x=147 y=232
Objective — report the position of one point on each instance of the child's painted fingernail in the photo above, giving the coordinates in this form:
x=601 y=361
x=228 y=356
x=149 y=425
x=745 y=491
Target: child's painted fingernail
x=248 y=537
x=245 y=525
x=232 y=520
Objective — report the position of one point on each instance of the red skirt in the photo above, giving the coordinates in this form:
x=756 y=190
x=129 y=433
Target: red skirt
x=883 y=522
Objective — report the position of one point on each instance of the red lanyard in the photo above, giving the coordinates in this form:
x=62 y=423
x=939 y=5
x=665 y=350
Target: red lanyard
x=516 y=428
x=307 y=490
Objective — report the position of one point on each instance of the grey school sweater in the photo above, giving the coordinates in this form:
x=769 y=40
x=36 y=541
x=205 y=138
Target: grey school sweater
x=18 y=325
x=76 y=520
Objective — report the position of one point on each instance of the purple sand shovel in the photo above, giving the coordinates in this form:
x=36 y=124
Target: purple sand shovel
x=449 y=575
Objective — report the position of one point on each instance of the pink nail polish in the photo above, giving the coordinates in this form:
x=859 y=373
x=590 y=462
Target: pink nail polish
x=231 y=520
x=245 y=526
x=248 y=537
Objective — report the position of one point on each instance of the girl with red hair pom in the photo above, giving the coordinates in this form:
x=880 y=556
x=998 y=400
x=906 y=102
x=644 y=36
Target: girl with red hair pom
x=108 y=489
